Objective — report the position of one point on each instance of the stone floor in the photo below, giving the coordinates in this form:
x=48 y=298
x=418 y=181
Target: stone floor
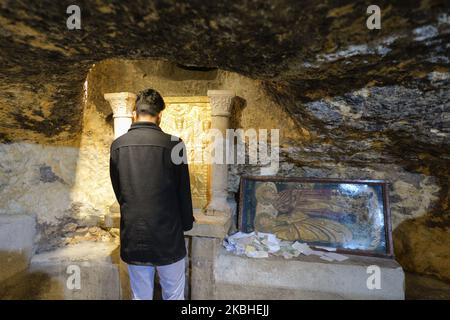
x=49 y=272
x=32 y=286
x=43 y=279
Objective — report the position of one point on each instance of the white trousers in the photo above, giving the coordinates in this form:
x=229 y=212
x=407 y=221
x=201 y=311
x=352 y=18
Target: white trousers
x=172 y=279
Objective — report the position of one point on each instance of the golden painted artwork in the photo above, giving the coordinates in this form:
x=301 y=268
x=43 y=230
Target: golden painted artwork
x=347 y=215
x=190 y=119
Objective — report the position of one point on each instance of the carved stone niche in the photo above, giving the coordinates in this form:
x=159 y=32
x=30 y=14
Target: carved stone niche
x=190 y=118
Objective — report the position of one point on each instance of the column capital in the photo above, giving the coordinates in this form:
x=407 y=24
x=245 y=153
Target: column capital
x=122 y=103
x=220 y=101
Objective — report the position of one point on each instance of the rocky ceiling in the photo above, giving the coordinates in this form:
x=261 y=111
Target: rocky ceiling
x=315 y=58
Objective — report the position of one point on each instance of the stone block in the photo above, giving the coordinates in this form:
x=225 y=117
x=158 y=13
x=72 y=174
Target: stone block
x=112 y=220
x=203 y=254
x=214 y=226
x=237 y=277
x=125 y=288
x=99 y=275
x=17 y=234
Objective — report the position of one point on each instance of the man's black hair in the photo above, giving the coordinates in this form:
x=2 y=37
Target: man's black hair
x=149 y=102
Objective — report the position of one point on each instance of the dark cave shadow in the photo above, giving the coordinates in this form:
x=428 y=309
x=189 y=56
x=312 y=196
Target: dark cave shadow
x=31 y=286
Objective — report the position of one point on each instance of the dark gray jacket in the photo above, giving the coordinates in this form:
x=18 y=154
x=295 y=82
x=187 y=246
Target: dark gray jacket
x=154 y=196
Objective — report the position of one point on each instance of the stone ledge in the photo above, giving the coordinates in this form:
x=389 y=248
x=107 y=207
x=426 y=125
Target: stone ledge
x=305 y=278
x=112 y=220
x=17 y=234
x=80 y=252
x=213 y=226
x=100 y=276
x=119 y=96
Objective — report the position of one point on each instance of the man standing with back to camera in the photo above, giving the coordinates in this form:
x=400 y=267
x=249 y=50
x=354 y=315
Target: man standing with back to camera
x=155 y=201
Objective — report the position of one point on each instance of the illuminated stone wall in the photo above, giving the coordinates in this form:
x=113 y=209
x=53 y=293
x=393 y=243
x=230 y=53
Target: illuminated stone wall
x=66 y=181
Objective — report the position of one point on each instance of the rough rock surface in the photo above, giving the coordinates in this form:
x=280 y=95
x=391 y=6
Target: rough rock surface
x=361 y=103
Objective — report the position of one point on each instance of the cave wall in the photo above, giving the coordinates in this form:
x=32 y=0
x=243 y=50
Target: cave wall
x=71 y=183
x=65 y=182
x=350 y=102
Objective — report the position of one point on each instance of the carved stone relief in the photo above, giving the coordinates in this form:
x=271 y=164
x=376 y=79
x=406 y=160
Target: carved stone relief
x=190 y=119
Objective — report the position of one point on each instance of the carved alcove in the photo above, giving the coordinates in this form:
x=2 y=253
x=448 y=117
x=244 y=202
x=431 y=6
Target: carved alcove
x=190 y=118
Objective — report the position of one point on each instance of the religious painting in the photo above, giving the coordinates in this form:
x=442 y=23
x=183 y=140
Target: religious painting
x=348 y=215
x=189 y=118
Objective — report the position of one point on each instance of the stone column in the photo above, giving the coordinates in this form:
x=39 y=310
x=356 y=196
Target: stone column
x=220 y=101
x=122 y=105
